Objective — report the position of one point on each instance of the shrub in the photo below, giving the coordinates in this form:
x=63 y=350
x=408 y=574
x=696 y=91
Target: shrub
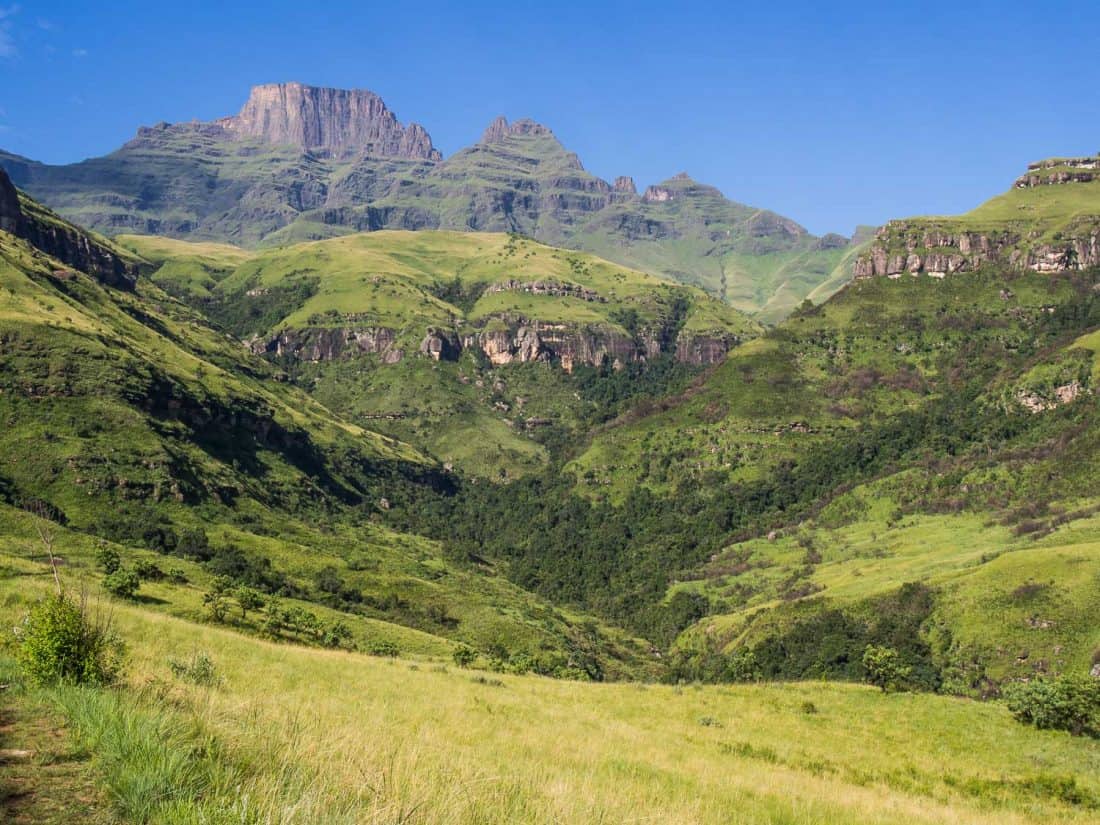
x=884 y=668
x=59 y=642
x=108 y=559
x=335 y=634
x=383 y=648
x=464 y=655
x=199 y=670
x=148 y=571
x=1070 y=703
x=177 y=576
x=123 y=583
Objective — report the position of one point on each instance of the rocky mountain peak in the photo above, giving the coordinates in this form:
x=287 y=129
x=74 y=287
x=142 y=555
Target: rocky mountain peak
x=624 y=184
x=340 y=121
x=500 y=129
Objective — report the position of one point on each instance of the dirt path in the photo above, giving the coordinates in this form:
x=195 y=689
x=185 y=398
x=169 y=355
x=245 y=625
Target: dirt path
x=44 y=779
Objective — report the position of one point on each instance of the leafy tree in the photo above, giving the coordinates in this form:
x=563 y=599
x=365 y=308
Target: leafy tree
x=216 y=600
x=248 y=598
x=123 y=582
x=107 y=558
x=884 y=668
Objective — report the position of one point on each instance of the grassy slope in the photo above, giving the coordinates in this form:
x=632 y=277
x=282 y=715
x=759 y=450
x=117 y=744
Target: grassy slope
x=394 y=280
x=126 y=412
x=286 y=732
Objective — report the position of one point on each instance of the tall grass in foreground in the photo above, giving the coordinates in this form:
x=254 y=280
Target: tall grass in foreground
x=256 y=733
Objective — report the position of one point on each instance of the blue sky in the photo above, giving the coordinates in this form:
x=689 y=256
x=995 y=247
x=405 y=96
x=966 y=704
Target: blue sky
x=832 y=113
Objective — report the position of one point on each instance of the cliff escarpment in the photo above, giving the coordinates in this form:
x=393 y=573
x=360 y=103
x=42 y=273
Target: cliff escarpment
x=1048 y=222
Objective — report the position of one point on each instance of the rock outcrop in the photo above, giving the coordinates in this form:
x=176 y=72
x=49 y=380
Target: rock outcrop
x=330 y=344
x=914 y=248
x=555 y=289
x=513 y=340
x=500 y=129
x=624 y=185
x=1043 y=236
x=340 y=121
x=1058 y=171
x=11 y=215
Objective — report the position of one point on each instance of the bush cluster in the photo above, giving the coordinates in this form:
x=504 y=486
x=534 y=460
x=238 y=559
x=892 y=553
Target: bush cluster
x=60 y=642
x=1070 y=703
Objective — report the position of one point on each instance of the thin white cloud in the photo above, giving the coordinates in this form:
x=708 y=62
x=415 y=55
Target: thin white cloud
x=44 y=24
x=80 y=52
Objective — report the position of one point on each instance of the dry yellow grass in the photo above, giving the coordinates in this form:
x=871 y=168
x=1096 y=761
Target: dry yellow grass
x=339 y=737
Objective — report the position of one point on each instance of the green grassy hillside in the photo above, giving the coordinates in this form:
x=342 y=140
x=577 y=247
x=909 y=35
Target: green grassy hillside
x=135 y=426
x=961 y=408
x=281 y=737
x=399 y=288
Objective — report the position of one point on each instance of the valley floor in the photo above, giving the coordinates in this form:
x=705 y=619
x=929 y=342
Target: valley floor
x=296 y=735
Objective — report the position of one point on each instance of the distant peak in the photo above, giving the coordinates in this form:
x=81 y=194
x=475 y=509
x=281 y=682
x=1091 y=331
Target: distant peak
x=674 y=188
x=342 y=121
x=624 y=184
x=501 y=129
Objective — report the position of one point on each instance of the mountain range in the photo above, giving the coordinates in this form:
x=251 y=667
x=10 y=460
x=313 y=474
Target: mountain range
x=304 y=163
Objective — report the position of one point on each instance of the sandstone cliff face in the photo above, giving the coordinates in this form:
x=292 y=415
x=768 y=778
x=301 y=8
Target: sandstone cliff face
x=500 y=129
x=912 y=248
x=341 y=121
x=624 y=185
x=330 y=344
x=1041 y=239
x=521 y=341
x=1058 y=171
x=62 y=241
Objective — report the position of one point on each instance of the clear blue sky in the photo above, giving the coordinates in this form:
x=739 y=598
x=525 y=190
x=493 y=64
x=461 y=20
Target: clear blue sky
x=832 y=113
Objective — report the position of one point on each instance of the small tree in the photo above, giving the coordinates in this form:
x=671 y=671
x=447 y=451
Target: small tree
x=123 y=583
x=216 y=599
x=464 y=655
x=248 y=598
x=107 y=558
x=884 y=668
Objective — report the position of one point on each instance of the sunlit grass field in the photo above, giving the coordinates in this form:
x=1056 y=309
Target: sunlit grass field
x=294 y=735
